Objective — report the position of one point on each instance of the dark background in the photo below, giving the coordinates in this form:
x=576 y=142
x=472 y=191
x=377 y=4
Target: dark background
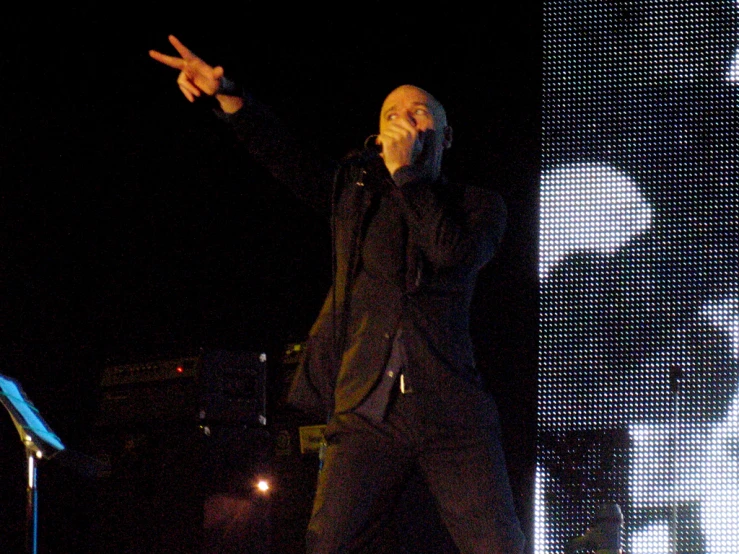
x=134 y=228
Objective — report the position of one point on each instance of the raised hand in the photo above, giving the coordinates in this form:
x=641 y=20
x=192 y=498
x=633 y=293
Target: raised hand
x=196 y=77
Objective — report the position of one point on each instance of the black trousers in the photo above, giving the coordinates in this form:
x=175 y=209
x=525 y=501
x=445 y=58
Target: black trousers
x=453 y=438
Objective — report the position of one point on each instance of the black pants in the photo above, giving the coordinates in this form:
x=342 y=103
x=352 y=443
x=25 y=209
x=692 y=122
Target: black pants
x=456 y=445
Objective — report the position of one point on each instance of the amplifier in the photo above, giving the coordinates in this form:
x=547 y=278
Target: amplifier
x=182 y=369
x=228 y=387
x=233 y=388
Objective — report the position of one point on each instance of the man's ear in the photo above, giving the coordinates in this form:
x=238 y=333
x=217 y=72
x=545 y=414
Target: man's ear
x=447 y=137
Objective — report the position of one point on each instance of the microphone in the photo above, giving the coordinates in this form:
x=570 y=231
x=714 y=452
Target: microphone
x=372 y=149
x=370 y=152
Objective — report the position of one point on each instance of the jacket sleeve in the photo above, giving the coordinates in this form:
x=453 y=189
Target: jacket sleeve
x=290 y=161
x=464 y=233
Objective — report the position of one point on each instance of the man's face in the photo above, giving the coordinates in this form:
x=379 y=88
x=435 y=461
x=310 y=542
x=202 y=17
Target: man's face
x=426 y=115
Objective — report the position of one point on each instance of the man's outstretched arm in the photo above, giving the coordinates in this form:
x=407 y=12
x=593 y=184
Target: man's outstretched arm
x=269 y=142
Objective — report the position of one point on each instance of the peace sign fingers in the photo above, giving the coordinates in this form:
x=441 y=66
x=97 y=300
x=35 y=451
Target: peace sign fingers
x=181 y=48
x=196 y=76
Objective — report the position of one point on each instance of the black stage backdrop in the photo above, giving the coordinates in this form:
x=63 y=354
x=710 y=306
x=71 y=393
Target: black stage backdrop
x=135 y=229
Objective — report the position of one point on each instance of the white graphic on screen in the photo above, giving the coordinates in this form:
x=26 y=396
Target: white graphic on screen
x=733 y=73
x=587 y=207
x=541 y=539
x=720 y=508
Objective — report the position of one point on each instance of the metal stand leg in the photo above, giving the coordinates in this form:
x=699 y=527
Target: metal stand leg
x=40 y=442
x=32 y=504
x=676 y=373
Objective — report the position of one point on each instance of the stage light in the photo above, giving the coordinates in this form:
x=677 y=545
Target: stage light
x=263 y=486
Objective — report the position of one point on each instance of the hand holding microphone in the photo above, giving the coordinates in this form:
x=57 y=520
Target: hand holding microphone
x=402 y=144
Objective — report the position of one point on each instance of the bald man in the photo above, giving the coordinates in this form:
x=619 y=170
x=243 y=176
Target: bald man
x=389 y=359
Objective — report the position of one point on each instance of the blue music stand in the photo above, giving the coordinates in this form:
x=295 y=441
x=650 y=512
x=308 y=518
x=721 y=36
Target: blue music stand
x=40 y=442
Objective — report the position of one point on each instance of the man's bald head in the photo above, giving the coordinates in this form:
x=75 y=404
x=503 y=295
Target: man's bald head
x=412 y=106
x=415 y=94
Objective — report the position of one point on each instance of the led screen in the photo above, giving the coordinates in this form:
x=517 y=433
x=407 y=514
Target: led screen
x=638 y=399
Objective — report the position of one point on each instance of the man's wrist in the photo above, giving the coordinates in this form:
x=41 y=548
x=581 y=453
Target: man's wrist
x=230 y=104
x=226 y=87
x=229 y=95
x=404 y=175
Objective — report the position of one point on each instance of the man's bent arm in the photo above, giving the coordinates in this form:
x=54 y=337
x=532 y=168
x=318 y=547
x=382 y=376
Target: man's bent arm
x=464 y=234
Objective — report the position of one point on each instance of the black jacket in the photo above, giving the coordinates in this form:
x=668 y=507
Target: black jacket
x=407 y=254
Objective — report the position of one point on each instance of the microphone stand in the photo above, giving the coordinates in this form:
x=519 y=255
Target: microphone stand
x=32 y=500
x=39 y=441
x=676 y=373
